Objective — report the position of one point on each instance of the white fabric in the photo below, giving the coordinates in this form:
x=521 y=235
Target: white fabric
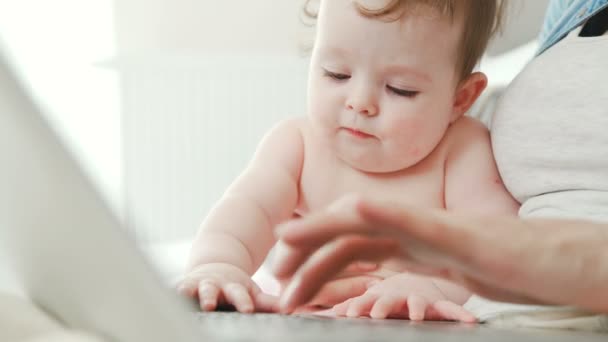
x=533 y=316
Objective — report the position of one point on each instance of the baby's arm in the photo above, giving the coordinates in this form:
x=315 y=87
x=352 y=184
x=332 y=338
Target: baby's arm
x=236 y=236
x=472 y=182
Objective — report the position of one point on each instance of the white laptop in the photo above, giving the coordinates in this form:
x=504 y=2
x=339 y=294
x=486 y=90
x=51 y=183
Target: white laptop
x=74 y=260
x=68 y=251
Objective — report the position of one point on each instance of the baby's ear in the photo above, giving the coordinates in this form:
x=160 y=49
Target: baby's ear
x=467 y=92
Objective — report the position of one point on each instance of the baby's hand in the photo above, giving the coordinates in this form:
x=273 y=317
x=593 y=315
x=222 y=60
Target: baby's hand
x=220 y=284
x=404 y=295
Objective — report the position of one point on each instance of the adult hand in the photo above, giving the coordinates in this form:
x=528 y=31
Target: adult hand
x=337 y=291
x=351 y=282
x=345 y=286
x=218 y=284
x=502 y=258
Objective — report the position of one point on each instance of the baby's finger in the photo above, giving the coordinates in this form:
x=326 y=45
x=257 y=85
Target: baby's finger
x=417 y=307
x=451 y=311
x=238 y=295
x=187 y=287
x=208 y=294
x=387 y=305
x=361 y=305
x=266 y=303
x=340 y=309
x=359 y=267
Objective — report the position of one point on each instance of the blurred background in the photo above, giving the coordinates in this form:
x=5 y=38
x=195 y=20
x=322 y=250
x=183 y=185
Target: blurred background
x=164 y=101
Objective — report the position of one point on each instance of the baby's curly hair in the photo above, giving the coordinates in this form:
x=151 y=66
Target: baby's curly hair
x=484 y=18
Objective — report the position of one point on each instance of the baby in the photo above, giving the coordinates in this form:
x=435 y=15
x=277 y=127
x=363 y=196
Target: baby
x=388 y=86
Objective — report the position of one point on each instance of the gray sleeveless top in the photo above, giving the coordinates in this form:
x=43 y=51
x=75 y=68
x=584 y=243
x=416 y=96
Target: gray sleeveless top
x=550 y=132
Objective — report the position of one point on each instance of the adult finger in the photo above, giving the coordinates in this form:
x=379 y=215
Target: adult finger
x=288 y=258
x=328 y=261
x=495 y=292
x=451 y=247
x=307 y=234
x=316 y=229
x=379 y=219
x=361 y=266
x=436 y=242
x=339 y=290
x=379 y=272
x=409 y=223
x=361 y=217
x=238 y=295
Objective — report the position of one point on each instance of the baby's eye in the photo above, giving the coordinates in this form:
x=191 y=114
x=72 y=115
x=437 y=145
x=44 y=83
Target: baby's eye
x=402 y=92
x=335 y=75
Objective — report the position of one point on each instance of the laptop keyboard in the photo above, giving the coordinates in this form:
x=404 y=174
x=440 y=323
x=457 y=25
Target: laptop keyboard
x=232 y=326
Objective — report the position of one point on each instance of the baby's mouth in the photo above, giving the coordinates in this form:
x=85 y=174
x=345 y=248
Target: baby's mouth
x=357 y=133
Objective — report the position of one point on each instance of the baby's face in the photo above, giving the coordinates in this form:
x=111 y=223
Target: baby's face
x=382 y=93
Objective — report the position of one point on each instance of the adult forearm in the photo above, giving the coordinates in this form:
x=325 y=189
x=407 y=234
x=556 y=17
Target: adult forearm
x=551 y=261
x=580 y=256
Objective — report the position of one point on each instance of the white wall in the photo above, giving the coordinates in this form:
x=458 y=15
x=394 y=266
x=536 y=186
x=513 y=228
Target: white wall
x=267 y=26
x=202 y=81
x=208 y=26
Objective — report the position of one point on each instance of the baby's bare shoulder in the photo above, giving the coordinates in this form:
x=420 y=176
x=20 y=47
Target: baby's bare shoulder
x=299 y=126
x=287 y=132
x=290 y=125
x=467 y=131
x=284 y=141
x=468 y=127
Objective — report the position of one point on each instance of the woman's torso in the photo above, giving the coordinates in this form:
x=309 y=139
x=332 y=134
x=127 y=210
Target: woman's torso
x=550 y=132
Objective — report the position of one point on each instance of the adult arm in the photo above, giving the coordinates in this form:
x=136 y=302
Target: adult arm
x=502 y=258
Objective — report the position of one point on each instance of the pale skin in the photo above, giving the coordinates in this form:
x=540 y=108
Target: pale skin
x=534 y=261
x=385 y=119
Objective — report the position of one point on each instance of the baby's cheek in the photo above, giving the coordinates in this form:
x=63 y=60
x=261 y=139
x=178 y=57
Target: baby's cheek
x=407 y=134
x=418 y=137
x=415 y=152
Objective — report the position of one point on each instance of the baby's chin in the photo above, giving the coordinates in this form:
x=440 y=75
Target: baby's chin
x=376 y=164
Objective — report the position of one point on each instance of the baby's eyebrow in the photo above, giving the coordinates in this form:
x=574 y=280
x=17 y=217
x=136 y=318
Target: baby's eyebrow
x=328 y=51
x=406 y=70
x=335 y=51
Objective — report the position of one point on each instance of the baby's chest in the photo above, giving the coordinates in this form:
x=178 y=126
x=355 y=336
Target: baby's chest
x=323 y=181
